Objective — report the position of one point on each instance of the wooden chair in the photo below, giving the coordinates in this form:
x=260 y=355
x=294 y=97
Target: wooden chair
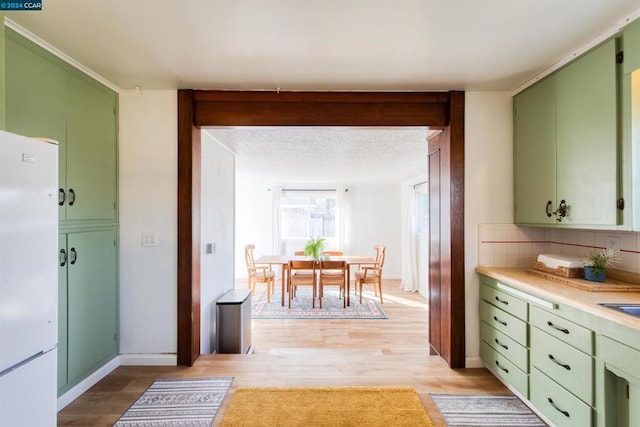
x=258 y=274
x=332 y=253
x=332 y=273
x=372 y=275
x=302 y=273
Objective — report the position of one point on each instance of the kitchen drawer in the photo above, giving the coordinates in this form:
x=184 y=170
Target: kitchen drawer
x=565 y=330
x=557 y=404
x=506 y=302
x=567 y=366
x=506 y=346
x=504 y=369
x=506 y=323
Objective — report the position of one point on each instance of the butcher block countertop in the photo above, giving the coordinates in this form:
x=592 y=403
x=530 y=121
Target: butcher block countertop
x=572 y=296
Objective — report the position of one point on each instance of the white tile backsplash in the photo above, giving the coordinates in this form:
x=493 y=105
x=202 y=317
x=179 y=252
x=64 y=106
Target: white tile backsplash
x=507 y=245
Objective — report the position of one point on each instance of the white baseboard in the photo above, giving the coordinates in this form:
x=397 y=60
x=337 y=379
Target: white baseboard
x=148 y=359
x=473 y=362
x=87 y=383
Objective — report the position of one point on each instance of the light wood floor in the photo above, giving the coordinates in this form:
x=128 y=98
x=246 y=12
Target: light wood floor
x=307 y=352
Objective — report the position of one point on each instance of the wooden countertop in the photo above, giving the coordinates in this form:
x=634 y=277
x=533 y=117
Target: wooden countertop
x=564 y=294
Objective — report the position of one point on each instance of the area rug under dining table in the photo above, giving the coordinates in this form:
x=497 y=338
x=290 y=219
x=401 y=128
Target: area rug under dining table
x=301 y=307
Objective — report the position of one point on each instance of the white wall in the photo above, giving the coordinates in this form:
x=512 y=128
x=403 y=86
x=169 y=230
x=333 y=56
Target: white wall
x=375 y=218
x=217 y=216
x=148 y=187
x=488 y=189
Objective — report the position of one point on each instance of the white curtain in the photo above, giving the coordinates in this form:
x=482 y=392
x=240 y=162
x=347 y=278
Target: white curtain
x=276 y=238
x=410 y=280
x=342 y=219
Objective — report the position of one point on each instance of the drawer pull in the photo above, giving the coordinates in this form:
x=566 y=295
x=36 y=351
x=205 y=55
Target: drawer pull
x=563 y=330
x=503 y=301
x=504 y=369
x=506 y=347
x=565 y=413
x=554 y=360
x=500 y=321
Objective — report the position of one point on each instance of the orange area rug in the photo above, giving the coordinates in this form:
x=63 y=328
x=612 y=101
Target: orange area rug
x=326 y=406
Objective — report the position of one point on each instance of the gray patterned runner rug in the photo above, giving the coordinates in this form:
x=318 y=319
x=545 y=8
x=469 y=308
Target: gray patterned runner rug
x=183 y=402
x=484 y=410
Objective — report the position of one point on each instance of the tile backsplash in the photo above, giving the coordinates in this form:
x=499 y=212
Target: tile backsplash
x=507 y=245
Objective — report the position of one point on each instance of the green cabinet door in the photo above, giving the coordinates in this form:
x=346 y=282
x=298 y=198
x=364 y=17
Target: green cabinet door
x=92 y=296
x=62 y=312
x=35 y=96
x=631 y=40
x=587 y=137
x=535 y=153
x=91 y=150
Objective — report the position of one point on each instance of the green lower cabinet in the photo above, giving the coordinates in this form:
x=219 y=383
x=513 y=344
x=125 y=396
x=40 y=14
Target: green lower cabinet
x=91 y=316
x=620 y=368
x=557 y=404
x=566 y=365
x=508 y=347
x=504 y=322
x=504 y=369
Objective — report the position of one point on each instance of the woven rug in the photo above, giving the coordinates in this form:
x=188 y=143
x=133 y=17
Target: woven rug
x=485 y=410
x=301 y=307
x=326 y=406
x=183 y=402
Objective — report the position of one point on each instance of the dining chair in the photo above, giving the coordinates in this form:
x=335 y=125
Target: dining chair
x=332 y=273
x=333 y=253
x=258 y=274
x=302 y=273
x=372 y=275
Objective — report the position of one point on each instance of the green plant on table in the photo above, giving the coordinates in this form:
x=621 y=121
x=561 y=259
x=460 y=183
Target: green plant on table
x=598 y=260
x=314 y=247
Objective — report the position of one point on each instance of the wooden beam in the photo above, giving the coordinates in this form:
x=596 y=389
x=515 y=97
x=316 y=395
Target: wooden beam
x=189 y=175
x=236 y=108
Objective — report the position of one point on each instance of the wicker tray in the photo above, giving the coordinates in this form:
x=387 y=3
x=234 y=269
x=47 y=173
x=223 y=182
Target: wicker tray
x=560 y=271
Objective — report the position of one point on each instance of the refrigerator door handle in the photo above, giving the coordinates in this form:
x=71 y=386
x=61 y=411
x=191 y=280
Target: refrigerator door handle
x=74 y=256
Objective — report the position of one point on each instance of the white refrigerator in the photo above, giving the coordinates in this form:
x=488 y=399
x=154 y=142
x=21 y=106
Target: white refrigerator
x=28 y=281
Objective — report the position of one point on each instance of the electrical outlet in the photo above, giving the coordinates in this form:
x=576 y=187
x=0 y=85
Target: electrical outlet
x=149 y=240
x=614 y=242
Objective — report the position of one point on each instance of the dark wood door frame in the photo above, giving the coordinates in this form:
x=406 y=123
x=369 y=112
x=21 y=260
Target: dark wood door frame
x=202 y=108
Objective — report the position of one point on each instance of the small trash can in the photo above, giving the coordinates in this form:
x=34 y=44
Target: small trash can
x=233 y=322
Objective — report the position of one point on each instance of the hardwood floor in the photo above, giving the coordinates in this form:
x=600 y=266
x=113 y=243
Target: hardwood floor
x=307 y=352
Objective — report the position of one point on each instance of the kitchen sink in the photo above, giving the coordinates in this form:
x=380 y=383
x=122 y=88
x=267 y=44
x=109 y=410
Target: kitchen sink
x=632 y=309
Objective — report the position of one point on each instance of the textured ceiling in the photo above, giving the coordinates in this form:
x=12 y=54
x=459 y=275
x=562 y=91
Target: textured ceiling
x=413 y=45
x=326 y=155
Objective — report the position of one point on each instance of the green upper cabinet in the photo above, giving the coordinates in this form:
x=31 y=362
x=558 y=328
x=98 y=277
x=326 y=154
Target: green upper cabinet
x=566 y=145
x=91 y=151
x=587 y=138
x=46 y=97
x=535 y=153
x=631 y=37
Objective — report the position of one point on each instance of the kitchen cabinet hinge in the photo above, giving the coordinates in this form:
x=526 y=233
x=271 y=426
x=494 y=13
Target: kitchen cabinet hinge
x=620 y=57
x=620 y=204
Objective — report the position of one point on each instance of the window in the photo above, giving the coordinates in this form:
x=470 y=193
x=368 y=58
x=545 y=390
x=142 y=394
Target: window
x=308 y=213
x=422 y=207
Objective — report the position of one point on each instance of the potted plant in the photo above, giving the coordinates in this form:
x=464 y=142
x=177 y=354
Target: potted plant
x=314 y=247
x=595 y=263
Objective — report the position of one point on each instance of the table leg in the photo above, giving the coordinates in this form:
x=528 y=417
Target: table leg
x=348 y=296
x=284 y=278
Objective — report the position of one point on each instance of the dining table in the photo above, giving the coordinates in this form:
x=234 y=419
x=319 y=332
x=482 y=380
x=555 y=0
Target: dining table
x=283 y=261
